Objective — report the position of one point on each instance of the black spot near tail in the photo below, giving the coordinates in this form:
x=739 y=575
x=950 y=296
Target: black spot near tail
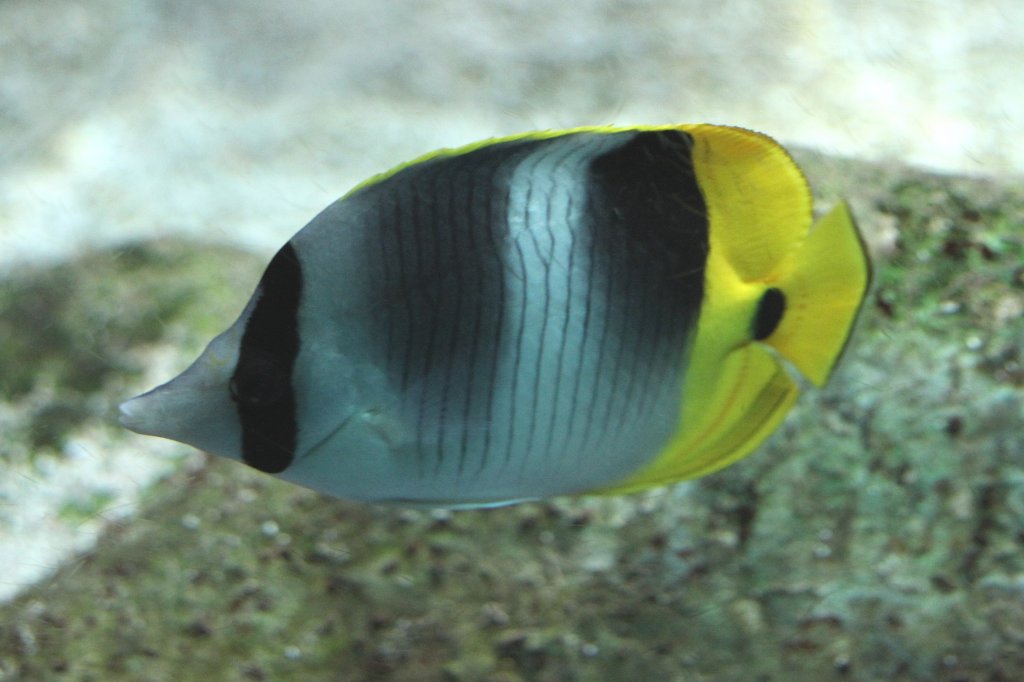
x=261 y=385
x=770 y=310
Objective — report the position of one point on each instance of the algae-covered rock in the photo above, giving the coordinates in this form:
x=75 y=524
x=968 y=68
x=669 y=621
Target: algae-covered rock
x=876 y=536
x=68 y=331
x=73 y=339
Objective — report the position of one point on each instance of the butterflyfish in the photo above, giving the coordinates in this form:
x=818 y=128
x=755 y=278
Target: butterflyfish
x=594 y=310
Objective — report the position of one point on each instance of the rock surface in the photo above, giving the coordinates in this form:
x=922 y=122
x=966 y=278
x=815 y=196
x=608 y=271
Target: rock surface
x=876 y=536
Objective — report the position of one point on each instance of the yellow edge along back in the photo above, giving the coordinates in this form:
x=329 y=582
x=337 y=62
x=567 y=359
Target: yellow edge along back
x=737 y=389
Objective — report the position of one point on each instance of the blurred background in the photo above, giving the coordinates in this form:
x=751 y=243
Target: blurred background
x=236 y=122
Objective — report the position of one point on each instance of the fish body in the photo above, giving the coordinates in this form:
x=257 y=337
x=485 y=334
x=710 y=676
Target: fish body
x=593 y=310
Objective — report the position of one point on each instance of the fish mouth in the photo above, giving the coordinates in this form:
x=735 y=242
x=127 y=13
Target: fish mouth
x=141 y=414
x=127 y=414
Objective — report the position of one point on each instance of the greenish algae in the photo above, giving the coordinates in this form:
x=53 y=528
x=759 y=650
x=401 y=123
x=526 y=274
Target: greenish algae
x=876 y=536
x=68 y=334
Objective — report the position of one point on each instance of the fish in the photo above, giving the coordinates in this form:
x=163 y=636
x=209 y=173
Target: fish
x=596 y=310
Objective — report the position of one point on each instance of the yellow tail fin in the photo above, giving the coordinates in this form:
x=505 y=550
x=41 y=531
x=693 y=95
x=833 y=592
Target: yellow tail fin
x=824 y=282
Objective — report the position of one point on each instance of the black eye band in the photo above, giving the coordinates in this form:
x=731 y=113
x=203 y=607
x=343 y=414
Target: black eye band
x=260 y=382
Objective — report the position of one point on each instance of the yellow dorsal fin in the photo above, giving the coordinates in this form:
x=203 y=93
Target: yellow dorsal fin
x=759 y=204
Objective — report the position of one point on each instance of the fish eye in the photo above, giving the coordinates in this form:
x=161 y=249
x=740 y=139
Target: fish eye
x=258 y=381
x=769 y=313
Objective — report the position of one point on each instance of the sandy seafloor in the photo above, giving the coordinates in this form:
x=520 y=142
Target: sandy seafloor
x=230 y=122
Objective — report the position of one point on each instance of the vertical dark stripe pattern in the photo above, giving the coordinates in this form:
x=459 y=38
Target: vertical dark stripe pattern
x=445 y=314
x=261 y=385
x=535 y=299
x=648 y=232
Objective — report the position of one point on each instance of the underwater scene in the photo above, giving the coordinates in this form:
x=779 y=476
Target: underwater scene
x=511 y=341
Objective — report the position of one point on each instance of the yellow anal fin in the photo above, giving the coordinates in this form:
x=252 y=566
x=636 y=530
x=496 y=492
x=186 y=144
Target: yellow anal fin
x=824 y=282
x=754 y=393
